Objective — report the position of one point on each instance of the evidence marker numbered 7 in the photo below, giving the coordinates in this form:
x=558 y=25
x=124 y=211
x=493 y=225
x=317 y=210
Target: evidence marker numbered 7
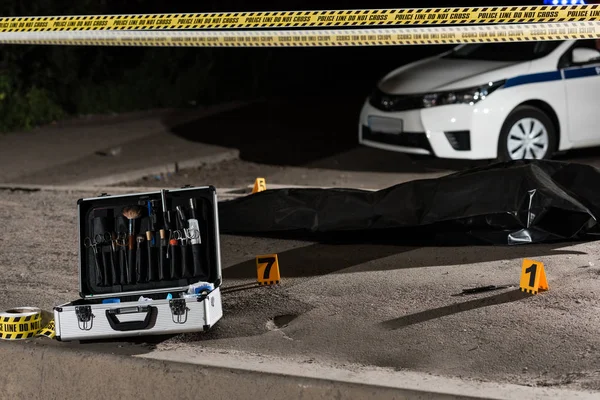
x=267 y=269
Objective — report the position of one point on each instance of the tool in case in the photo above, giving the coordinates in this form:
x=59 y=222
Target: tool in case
x=149 y=264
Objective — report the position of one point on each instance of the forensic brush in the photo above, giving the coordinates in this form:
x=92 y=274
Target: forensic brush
x=131 y=213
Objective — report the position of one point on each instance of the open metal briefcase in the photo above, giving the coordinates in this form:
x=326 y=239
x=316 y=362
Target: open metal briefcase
x=149 y=264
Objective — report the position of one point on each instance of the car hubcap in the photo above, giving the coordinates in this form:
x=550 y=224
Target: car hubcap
x=528 y=138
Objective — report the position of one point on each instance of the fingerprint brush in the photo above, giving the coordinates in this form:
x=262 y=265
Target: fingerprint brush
x=132 y=213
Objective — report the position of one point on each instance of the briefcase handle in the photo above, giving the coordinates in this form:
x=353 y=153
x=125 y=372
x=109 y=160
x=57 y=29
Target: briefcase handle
x=117 y=325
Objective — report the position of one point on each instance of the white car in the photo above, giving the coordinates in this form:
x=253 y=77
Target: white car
x=490 y=101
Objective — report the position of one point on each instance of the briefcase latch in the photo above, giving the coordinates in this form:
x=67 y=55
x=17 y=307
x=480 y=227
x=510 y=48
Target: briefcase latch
x=179 y=310
x=85 y=318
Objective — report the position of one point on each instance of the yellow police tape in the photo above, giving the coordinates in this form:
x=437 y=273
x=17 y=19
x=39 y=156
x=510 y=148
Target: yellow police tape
x=316 y=38
x=24 y=323
x=284 y=19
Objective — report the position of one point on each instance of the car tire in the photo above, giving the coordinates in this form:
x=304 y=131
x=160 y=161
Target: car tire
x=528 y=133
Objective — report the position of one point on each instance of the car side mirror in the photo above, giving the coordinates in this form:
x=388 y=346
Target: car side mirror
x=584 y=56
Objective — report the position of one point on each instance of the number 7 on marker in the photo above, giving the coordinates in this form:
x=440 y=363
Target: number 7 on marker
x=267 y=269
x=269 y=261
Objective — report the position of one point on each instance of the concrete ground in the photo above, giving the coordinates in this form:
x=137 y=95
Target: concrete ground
x=66 y=373
x=358 y=306
x=93 y=149
x=370 y=310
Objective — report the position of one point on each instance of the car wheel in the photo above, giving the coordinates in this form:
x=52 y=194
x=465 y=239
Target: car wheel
x=527 y=133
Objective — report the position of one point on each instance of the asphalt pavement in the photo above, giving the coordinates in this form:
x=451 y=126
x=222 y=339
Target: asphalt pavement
x=368 y=310
x=386 y=308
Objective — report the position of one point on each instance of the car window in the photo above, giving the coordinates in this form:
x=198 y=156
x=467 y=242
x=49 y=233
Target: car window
x=516 y=51
x=566 y=59
x=593 y=44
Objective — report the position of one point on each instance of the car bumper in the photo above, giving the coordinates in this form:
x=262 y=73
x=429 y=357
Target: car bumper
x=445 y=132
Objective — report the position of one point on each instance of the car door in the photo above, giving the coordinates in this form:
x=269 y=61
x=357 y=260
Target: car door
x=582 y=90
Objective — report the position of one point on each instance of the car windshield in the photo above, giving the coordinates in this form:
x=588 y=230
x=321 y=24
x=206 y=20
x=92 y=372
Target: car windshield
x=516 y=51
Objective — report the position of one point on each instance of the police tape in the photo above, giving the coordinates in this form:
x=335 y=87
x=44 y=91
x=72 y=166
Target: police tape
x=24 y=323
x=291 y=19
x=315 y=38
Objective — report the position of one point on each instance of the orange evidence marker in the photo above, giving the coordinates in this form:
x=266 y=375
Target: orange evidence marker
x=260 y=184
x=267 y=269
x=533 y=277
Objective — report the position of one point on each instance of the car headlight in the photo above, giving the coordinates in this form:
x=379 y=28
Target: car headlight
x=463 y=96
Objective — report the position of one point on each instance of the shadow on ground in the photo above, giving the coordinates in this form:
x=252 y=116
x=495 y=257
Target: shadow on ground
x=281 y=131
x=322 y=259
x=407 y=320
x=251 y=310
x=314 y=132
x=126 y=346
x=589 y=156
